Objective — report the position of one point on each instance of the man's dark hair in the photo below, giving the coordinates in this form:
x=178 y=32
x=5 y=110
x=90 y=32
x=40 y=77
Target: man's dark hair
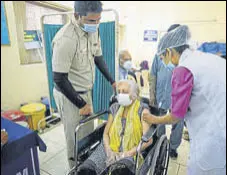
x=84 y=7
x=223 y=56
x=172 y=27
x=179 y=49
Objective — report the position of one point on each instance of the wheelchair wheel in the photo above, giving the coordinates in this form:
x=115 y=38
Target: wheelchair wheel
x=160 y=160
x=122 y=167
x=71 y=171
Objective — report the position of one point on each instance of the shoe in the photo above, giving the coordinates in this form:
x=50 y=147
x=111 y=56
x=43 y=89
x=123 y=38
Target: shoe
x=173 y=154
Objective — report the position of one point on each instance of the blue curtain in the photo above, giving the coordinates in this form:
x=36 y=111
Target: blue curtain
x=102 y=90
x=49 y=32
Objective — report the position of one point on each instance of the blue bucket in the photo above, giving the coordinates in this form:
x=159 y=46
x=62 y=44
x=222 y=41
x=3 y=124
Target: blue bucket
x=45 y=101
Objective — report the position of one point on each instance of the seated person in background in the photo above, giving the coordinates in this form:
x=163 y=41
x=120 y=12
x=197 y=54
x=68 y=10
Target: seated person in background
x=4 y=137
x=144 y=69
x=126 y=67
x=144 y=65
x=123 y=131
x=127 y=70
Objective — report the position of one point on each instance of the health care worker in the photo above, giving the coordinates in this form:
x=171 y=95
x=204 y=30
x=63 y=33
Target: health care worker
x=198 y=96
x=76 y=52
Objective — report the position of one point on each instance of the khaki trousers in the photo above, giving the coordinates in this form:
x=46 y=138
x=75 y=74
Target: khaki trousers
x=70 y=118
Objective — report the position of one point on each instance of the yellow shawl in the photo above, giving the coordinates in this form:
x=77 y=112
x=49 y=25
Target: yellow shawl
x=133 y=129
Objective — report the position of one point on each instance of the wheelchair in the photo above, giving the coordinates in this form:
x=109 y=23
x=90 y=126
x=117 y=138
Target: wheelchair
x=156 y=155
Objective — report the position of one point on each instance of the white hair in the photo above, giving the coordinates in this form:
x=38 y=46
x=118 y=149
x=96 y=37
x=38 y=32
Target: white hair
x=122 y=53
x=134 y=88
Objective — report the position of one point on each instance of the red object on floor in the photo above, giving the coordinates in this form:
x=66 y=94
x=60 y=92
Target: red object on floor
x=14 y=115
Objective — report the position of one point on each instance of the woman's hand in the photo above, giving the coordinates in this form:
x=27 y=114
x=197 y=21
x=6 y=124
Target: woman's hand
x=111 y=156
x=109 y=152
x=123 y=155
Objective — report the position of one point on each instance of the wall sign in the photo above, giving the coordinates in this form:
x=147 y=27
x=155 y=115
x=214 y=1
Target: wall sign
x=4 y=27
x=150 y=35
x=32 y=39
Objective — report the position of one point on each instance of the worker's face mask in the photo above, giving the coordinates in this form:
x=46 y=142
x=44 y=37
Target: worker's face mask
x=169 y=66
x=90 y=28
x=127 y=65
x=124 y=99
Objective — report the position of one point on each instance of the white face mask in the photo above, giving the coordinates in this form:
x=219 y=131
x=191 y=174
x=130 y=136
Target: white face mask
x=128 y=65
x=124 y=99
x=169 y=66
x=90 y=28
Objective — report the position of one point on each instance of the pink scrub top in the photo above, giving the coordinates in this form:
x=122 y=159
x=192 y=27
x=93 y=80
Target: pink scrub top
x=182 y=84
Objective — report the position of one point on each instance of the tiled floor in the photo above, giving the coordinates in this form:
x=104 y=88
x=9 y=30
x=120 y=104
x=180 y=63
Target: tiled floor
x=54 y=161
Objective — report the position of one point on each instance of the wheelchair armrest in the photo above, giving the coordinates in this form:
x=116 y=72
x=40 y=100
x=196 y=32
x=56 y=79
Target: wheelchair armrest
x=149 y=134
x=92 y=117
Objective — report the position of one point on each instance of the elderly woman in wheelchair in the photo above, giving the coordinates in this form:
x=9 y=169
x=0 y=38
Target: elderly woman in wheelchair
x=123 y=131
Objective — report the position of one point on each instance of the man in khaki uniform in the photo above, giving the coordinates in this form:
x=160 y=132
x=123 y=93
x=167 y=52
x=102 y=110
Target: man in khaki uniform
x=76 y=51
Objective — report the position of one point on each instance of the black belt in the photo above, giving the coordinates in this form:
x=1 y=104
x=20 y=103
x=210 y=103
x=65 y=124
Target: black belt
x=79 y=92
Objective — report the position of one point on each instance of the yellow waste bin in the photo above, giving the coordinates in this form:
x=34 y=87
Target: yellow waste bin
x=35 y=113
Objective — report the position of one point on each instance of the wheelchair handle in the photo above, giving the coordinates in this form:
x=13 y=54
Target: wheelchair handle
x=92 y=117
x=81 y=123
x=145 y=138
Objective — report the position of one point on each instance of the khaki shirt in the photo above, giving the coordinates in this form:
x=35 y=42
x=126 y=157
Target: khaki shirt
x=73 y=53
